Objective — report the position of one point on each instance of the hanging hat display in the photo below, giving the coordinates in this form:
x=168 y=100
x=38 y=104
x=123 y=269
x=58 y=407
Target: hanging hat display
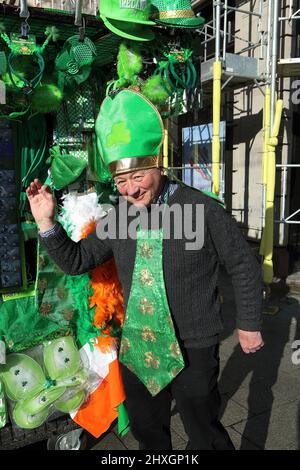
x=122 y=120
x=176 y=14
x=128 y=18
x=74 y=61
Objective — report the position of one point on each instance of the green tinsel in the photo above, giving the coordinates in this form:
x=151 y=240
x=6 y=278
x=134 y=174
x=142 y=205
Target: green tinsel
x=81 y=290
x=84 y=319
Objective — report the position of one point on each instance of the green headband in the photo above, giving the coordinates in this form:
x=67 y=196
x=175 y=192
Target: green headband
x=20 y=47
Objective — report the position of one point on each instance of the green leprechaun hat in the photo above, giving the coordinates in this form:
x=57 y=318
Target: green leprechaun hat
x=128 y=18
x=176 y=14
x=129 y=132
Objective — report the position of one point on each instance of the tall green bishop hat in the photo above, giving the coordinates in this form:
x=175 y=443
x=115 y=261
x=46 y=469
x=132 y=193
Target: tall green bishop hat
x=176 y=14
x=129 y=132
x=128 y=18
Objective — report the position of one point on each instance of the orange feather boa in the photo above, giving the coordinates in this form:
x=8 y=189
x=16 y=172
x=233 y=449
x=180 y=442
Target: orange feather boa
x=107 y=297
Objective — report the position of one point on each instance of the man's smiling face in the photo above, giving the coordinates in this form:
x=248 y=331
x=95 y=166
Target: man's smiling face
x=140 y=187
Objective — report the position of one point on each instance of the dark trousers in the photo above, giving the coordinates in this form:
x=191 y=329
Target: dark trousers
x=197 y=397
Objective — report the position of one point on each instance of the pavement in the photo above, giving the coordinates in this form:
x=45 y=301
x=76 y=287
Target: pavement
x=260 y=392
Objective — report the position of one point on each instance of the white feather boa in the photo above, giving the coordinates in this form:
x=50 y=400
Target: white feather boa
x=77 y=211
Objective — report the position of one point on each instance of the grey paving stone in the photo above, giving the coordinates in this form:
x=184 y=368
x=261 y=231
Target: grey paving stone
x=129 y=441
x=288 y=386
x=238 y=373
x=227 y=347
x=239 y=441
x=258 y=398
x=278 y=431
x=233 y=413
x=109 y=442
x=177 y=426
x=178 y=443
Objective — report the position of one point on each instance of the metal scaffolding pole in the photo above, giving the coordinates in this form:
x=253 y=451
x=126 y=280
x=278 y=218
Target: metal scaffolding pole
x=218 y=29
x=274 y=58
x=225 y=29
x=267 y=111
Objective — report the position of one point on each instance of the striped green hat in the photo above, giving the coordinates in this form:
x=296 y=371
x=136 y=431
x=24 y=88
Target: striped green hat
x=176 y=14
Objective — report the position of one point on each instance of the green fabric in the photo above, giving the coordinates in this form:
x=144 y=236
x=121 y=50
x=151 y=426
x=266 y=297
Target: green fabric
x=3 y=413
x=123 y=420
x=65 y=168
x=53 y=298
x=64 y=299
x=149 y=347
x=128 y=126
x=177 y=18
x=31 y=152
x=22 y=327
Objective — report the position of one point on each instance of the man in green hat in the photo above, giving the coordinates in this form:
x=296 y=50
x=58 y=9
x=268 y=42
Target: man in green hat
x=170 y=337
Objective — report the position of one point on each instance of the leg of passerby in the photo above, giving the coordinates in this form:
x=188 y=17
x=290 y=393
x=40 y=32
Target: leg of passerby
x=149 y=417
x=198 y=400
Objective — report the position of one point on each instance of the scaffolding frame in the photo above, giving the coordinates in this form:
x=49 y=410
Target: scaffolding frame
x=293 y=16
x=219 y=31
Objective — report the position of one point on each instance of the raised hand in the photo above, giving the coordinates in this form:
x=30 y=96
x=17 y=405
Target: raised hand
x=42 y=205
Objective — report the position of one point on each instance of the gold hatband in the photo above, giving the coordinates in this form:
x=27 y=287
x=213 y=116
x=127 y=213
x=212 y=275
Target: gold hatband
x=164 y=15
x=133 y=164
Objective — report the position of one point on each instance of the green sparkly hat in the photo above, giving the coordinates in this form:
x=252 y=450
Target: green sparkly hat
x=176 y=14
x=129 y=132
x=128 y=18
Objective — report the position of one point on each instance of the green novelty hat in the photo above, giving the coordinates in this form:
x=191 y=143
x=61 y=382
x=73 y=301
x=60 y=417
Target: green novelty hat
x=176 y=14
x=128 y=18
x=129 y=132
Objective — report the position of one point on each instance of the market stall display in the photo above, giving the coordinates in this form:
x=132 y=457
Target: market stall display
x=60 y=334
